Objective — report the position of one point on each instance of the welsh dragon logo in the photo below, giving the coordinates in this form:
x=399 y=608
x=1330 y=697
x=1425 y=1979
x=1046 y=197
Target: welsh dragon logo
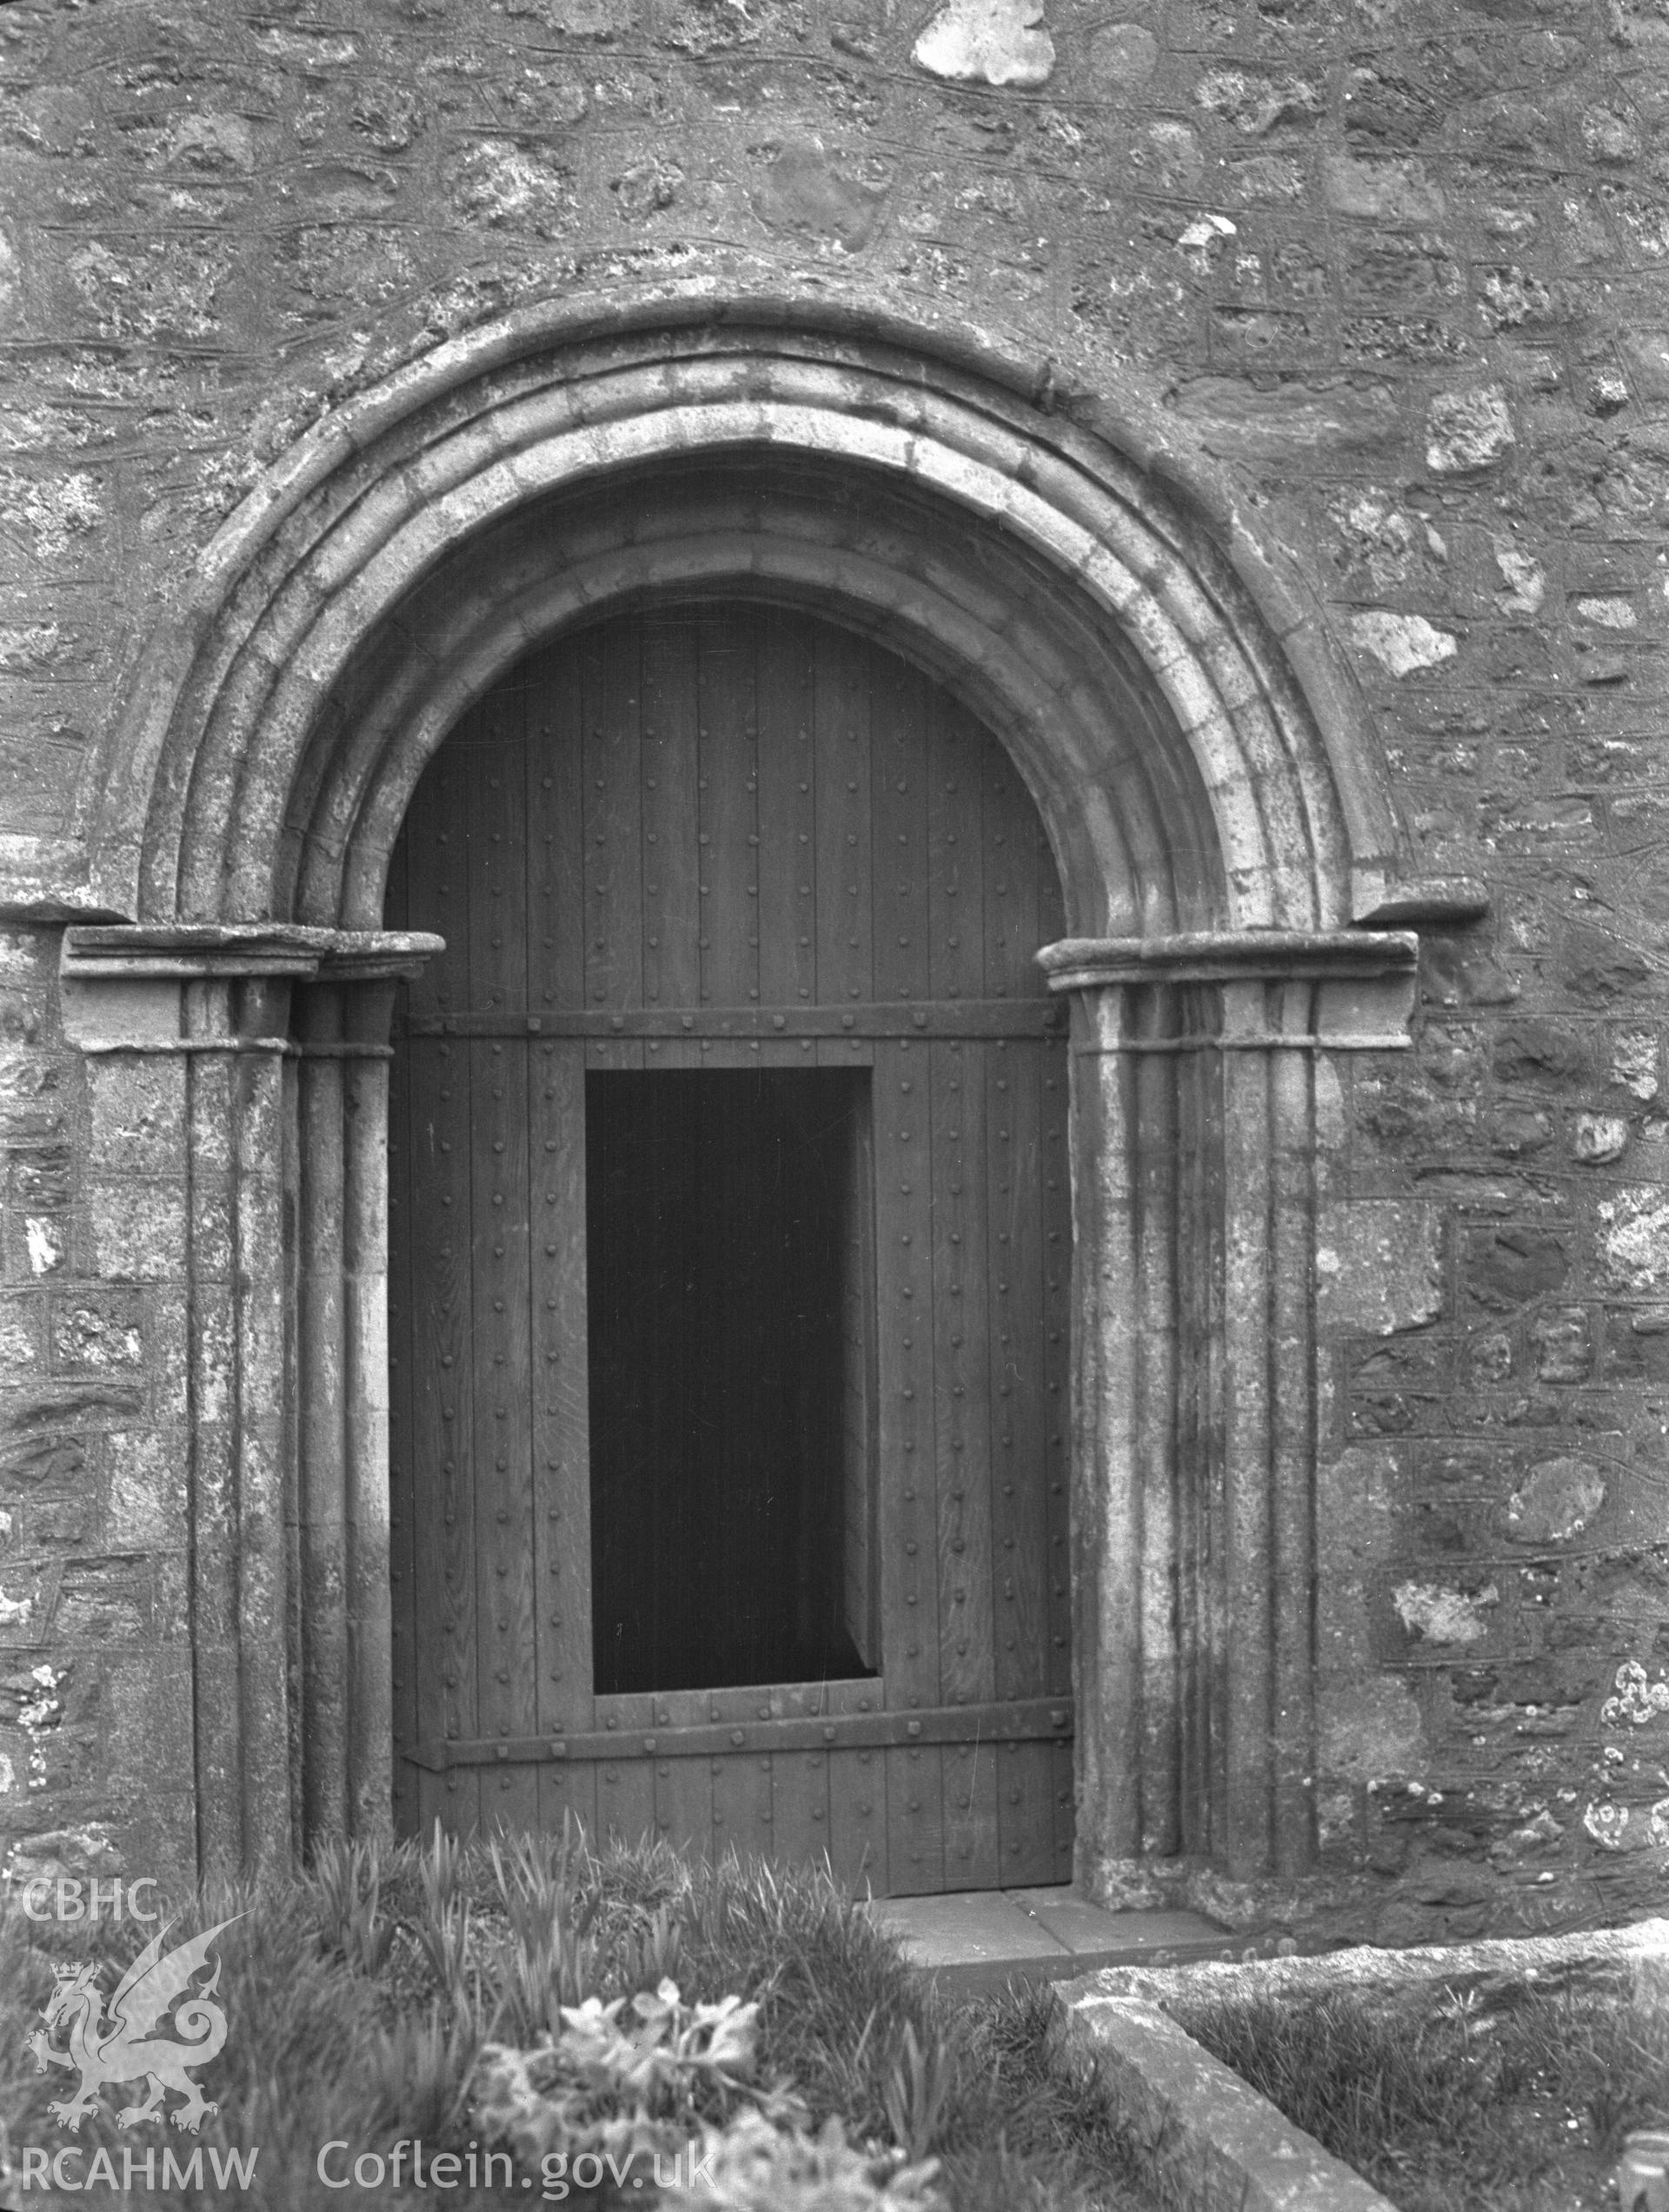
x=125 y=2048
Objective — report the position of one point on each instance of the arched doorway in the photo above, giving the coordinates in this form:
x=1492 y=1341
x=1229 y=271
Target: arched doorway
x=731 y=1262
x=1228 y=856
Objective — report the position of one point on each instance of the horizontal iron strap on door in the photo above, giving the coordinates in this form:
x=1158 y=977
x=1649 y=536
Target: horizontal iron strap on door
x=969 y=1018
x=1023 y=1721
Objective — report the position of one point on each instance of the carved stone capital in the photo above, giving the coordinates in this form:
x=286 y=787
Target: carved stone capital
x=1356 y=988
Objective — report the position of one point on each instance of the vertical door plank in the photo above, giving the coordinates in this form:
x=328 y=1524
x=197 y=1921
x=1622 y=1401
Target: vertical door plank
x=557 y=1273
x=973 y=1846
x=562 y=1465
x=954 y=881
x=857 y=1798
x=444 y=1404
x=609 y=675
x=743 y=1813
x=911 y=1608
x=857 y=1795
x=799 y=1783
x=955 y=871
x=967 y=1518
x=728 y=756
x=555 y=725
x=1063 y=1780
x=915 y=1845
x=1025 y=1809
x=1015 y=1306
x=860 y=1534
x=787 y=818
x=741 y=1779
x=799 y=1779
x=845 y=967
x=568 y=1792
x=626 y=1786
x=672 y=906
x=507 y=1658
x=900 y=704
x=434 y=838
x=684 y=1787
x=1015 y=916
x=1014 y=1113
x=1019 y=916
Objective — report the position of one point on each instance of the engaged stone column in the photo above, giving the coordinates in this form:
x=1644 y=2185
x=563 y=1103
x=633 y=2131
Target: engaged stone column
x=1198 y=1063
x=192 y=1077
x=341 y=1618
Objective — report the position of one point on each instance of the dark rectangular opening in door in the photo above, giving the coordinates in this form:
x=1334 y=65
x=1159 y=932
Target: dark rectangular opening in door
x=729 y=1261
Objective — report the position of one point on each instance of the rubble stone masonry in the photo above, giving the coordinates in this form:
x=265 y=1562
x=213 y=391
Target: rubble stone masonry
x=1392 y=277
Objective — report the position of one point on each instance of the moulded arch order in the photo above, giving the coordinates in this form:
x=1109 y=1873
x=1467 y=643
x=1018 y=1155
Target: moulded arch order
x=1198 y=759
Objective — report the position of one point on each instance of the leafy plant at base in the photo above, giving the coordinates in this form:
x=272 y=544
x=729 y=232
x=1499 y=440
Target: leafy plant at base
x=917 y=2092
x=553 y=1957
x=349 y=1880
x=420 y=2070
x=752 y=2166
x=440 y=1873
x=626 y=2078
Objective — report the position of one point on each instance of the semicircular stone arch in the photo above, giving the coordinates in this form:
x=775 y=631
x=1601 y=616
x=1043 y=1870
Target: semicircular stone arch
x=1109 y=640
x=1219 y=830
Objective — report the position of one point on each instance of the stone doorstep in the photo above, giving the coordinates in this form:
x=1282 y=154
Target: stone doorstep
x=976 y=1941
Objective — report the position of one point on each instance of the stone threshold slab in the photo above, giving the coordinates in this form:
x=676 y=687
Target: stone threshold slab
x=976 y=1941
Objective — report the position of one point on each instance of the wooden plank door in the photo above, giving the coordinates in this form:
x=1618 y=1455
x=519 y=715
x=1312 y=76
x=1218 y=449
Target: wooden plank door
x=738 y=841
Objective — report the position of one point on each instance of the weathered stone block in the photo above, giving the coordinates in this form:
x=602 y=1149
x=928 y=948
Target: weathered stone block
x=1556 y=1502
x=1379 y=1265
x=1599 y=965
x=1539 y=1050
x=1468 y=430
x=20 y=1336
x=1564 y=1345
x=138 y=1114
x=58 y=1524
x=137 y=1231
x=804 y=190
x=28 y=1592
x=1634 y=1061
x=1458 y=970
x=987 y=41
x=1634 y=1238
x=97 y=1332
x=39 y=1245
x=1369 y=1729
x=1121 y=58
x=40 y=1179
x=1507 y=1267
x=1402 y=643
x=1637 y=1343
x=1426 y=1615
x=148 y=1489
x=1599 y=1139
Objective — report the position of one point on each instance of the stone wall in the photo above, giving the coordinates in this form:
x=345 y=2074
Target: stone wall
x=1391 y=276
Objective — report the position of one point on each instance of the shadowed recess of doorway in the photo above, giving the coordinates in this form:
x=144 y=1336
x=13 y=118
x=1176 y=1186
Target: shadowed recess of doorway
x=726 y=1322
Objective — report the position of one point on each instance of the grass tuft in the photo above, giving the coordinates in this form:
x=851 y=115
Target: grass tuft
x=1518 y=2100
